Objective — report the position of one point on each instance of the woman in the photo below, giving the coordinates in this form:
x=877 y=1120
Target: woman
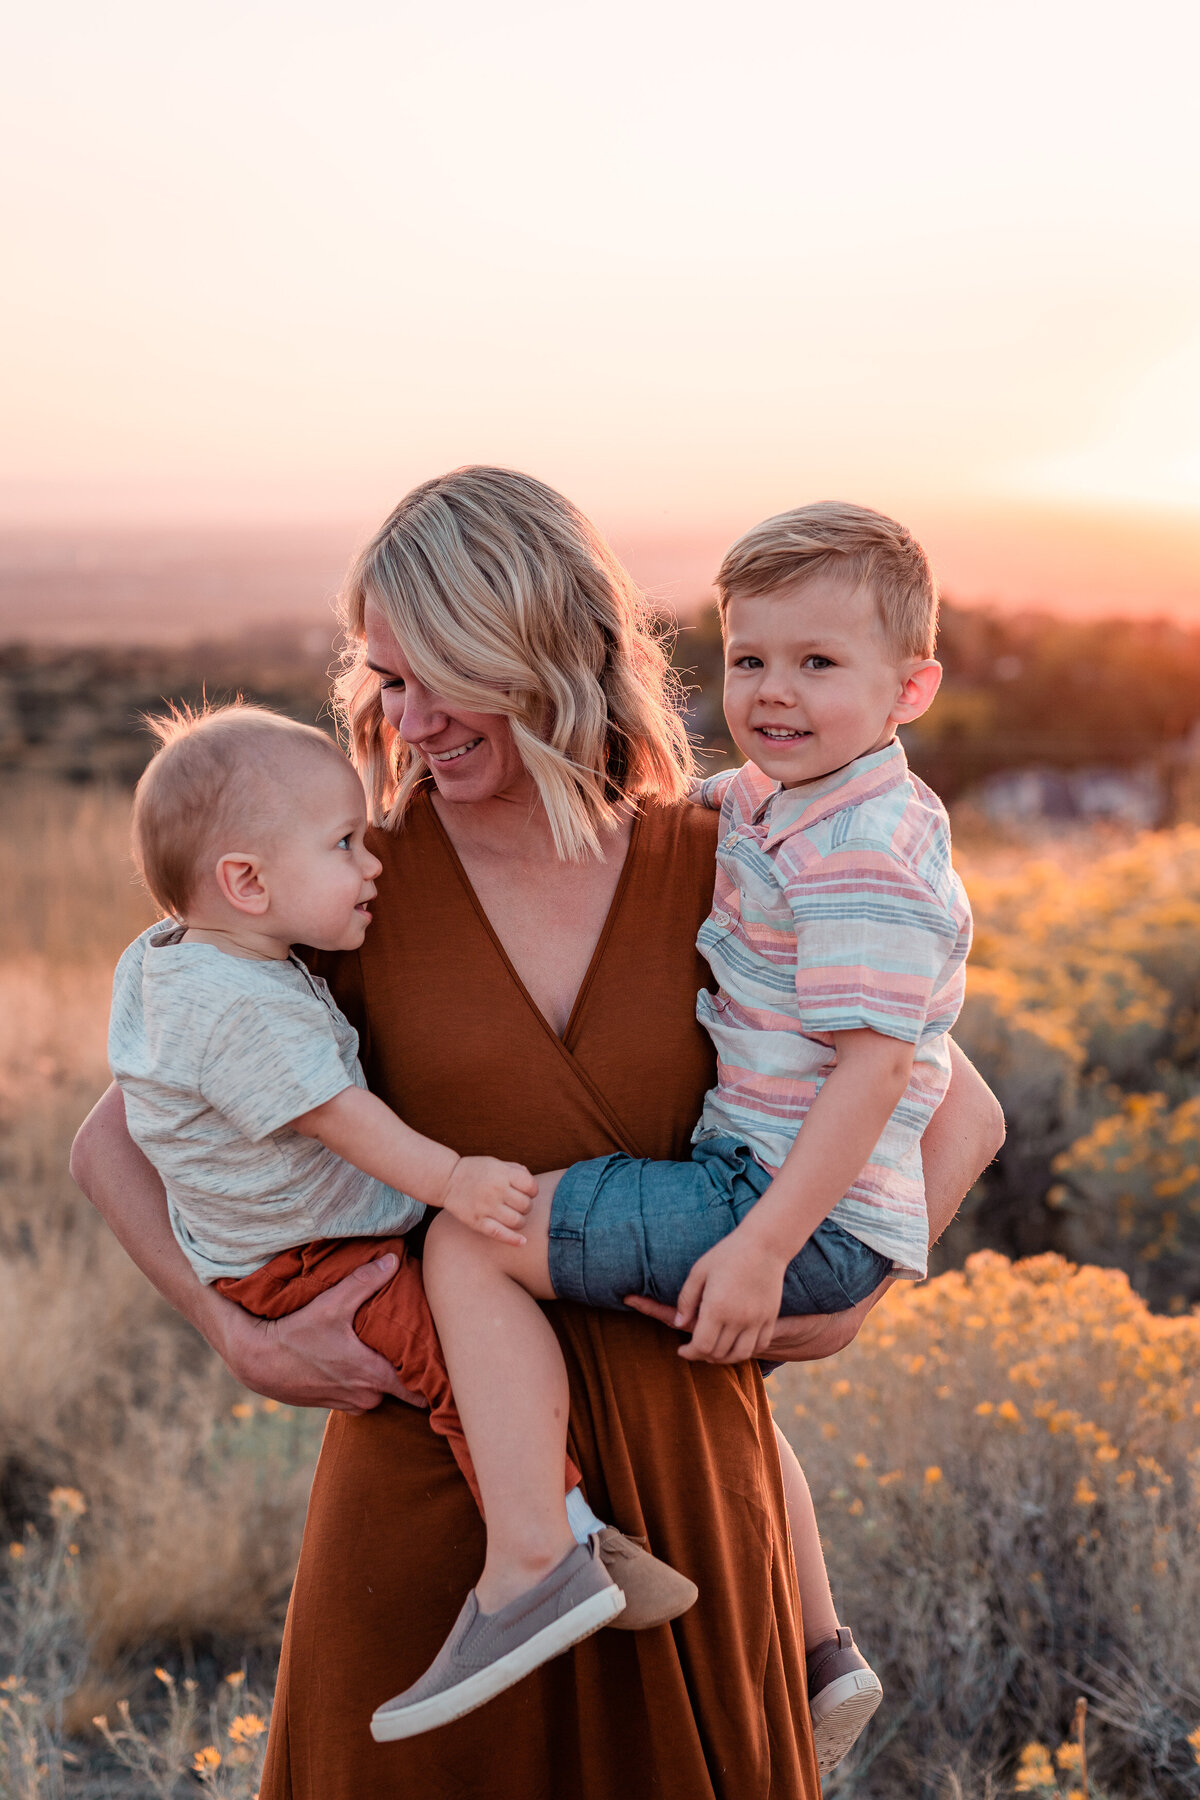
x=527 y=990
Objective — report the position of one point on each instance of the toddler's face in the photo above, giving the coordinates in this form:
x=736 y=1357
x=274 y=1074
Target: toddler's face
x=319 y=873
x=811 y=681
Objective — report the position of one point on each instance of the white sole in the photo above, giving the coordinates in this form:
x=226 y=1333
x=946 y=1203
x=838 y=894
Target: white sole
x=839 y=1714
x=440 y=1709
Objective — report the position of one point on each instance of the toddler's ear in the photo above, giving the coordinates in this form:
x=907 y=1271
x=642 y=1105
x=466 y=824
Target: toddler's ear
x=240 y=883
x=919 y=682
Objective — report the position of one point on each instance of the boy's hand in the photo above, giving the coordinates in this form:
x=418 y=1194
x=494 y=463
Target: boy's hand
x=490 y=1196
x=730 y=1301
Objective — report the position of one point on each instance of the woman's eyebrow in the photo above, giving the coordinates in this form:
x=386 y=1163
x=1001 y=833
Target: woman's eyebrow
x=376 y=670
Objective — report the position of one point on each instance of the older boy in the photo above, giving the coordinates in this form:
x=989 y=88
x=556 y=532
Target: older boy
x=838 y=936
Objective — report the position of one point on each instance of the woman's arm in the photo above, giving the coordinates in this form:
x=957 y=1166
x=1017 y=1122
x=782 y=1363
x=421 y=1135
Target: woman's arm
x=960 y=1141
x=310 y=1358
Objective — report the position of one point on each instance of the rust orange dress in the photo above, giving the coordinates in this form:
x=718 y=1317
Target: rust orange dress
x=711 y=1708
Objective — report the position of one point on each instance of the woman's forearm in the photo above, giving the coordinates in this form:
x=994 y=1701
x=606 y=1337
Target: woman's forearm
x=310 y=1358
x=127 y=1193
x=960 y=1141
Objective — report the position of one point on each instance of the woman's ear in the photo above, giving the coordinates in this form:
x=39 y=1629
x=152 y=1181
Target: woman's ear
x=919 y=682
x=241 y=883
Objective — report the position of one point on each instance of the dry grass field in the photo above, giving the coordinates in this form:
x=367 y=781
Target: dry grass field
x=1005 y=1463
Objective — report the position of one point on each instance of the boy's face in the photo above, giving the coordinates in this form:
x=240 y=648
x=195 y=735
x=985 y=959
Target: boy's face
x=811 y=681
x=317 y=871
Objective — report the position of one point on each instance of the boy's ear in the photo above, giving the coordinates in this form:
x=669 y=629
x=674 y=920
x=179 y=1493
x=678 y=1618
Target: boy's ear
x=241 y=883
x=919 y=682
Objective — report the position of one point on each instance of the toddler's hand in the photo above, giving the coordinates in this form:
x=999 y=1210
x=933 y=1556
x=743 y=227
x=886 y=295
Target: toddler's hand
x=730 y=1301
x=490 y=1196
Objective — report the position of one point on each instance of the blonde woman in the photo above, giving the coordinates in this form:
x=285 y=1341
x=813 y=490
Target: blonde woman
x=527 y=990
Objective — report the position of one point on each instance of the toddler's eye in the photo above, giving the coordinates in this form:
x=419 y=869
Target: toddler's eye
x=343 y=843
x=818 y=662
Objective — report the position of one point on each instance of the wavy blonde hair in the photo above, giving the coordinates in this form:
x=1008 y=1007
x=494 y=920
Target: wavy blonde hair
x=507 y=600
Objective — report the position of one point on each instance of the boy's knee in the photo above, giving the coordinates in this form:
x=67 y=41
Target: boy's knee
x=447 y=1239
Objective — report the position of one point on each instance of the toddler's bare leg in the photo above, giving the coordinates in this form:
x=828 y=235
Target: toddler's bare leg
x=510 y=1385
x=816 y=1601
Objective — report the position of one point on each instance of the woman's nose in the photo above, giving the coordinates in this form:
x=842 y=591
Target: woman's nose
x=422 y=716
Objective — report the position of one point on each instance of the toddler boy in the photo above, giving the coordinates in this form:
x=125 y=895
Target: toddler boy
x=242 y=1085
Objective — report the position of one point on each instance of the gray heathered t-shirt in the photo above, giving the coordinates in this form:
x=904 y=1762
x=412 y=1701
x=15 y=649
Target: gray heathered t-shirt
x=215 y=1055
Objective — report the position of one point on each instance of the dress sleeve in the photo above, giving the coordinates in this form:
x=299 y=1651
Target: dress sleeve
x=270 y=1059
x=873 y=941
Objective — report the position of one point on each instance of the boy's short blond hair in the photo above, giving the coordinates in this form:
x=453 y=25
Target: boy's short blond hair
x=216 y=771
x=866 y=549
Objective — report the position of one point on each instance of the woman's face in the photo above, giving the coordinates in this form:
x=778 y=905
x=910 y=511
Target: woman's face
x=471 y=755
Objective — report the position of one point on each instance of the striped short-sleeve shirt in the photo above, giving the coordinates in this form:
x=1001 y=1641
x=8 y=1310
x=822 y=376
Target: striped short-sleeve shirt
x=836 y=908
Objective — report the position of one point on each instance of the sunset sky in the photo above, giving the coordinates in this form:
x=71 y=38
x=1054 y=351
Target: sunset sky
x=690 y=263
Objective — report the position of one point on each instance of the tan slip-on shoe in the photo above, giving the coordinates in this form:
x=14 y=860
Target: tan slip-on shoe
x=488 y=1652
x=654 y=1591
x=843 y=1693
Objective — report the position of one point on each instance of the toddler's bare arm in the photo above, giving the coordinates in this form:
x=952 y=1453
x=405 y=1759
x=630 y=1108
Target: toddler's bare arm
x=490 y=1196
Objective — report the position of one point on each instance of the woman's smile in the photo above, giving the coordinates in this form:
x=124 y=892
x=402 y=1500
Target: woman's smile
x=446 y=756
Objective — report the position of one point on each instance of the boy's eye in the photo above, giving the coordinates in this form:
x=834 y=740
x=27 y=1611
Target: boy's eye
x=818 y=662
x=748 y=662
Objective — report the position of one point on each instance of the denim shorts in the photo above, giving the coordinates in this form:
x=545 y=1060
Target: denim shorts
x=623 y=1225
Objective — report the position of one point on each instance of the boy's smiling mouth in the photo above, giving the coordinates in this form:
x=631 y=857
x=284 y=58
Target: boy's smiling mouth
x=782 y=734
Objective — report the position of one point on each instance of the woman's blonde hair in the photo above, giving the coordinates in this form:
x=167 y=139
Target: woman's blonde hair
x=507 y=600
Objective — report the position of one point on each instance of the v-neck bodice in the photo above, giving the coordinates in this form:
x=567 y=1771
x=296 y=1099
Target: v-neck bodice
x=453 y=1040
x=579 y=997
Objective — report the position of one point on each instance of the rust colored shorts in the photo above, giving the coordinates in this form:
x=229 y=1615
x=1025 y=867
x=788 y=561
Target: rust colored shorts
x=395 y=1320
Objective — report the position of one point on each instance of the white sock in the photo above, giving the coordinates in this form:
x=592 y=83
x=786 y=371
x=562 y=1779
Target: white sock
x=580 y=1517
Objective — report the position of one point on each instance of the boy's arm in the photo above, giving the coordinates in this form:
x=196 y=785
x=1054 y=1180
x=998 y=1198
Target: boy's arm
x=963 y=1136
x=310 y=1358
x=491 y=1196
x=730 y=1300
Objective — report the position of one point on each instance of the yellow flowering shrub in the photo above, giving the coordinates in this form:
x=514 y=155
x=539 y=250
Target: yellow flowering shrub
x=1011 y=1513
x=1083 y=1013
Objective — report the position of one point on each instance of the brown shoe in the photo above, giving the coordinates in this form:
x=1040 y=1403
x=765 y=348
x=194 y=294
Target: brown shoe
x=488 y=1652
x=843 y=1692
x=654 y=1591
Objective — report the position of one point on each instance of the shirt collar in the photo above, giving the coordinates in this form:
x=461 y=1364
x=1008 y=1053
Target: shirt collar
x=787 y=810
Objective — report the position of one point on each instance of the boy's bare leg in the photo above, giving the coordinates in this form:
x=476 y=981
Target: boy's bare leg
x=816 y=1601
x=510 y=1385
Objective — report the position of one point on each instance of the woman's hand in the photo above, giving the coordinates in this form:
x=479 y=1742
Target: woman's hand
x=313 y=1356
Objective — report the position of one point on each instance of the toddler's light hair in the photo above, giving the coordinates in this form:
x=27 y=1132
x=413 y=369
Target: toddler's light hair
x=506 y=600
x=865 y=549
x=216 y=772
